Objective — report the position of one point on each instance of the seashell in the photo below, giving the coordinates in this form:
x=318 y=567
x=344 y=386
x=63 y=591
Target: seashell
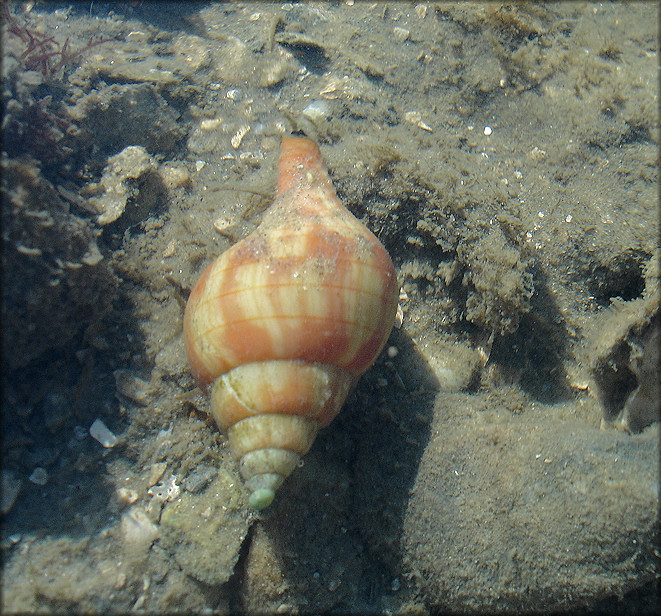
x=282 y=324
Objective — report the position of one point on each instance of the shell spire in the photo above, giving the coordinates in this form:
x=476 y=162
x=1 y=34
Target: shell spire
x=282 y=324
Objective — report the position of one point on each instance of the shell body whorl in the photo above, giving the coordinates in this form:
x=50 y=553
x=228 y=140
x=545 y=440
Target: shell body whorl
x=284 y=322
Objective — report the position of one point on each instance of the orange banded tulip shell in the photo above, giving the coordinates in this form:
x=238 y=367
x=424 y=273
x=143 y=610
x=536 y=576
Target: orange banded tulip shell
x=282 y=324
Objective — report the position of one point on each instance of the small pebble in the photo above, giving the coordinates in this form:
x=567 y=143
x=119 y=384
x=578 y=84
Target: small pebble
x=120 y=581
x=317 y=110
x=156 y=471
x=127 y=496
x=413 y=117
x=175 y=176
x=400 y=34
x=421 y=10
x=210 y=123
x=39 y=476
x=138 y=531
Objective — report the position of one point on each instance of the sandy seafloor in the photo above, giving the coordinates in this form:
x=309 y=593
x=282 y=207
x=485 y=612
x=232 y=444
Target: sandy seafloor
x=502 y=453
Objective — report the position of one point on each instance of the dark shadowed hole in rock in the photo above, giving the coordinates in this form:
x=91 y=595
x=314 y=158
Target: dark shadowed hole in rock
x=534 y=361
x=310 y=56
x=615 y=379
x=621 y=277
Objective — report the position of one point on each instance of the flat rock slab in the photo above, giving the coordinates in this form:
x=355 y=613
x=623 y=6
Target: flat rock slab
x=530 y=512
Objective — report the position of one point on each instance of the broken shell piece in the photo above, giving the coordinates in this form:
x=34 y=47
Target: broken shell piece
x=236 y=140
x=348 y=88
x=415 y=118
x=399 y=317
x=170 y=249
x=102 y=434
x=222 y=223
x=167 y=490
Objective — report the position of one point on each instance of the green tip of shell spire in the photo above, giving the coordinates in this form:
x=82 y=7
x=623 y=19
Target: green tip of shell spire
x=261 y=498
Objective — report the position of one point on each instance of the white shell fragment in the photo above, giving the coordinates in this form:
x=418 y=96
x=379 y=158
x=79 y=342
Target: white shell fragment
x=166 y=490
x=236 y=140
x=101 y=433
x=415 y=118
x=399 y=317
